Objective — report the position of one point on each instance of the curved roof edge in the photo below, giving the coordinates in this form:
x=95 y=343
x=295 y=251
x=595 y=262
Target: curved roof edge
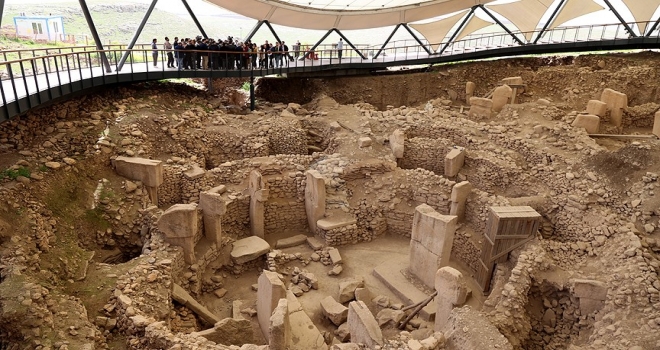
x=277 y=12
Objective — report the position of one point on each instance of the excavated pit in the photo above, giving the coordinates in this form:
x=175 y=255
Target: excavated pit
x=172 y=230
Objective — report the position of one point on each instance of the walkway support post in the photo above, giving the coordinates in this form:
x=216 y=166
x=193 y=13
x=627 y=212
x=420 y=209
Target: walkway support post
x=501 y=24
x=252 y=98
x=618 y=16
x=550 y=20
x=194 y=18
x=92 y=28
x=458 y=30
x=136 y=36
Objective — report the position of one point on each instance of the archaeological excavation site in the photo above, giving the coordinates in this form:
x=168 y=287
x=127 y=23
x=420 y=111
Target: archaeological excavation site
x=505 y=204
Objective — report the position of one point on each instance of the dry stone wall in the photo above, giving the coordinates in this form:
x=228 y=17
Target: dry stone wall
x=285 y=215
x=425 y=153
x=236 y=221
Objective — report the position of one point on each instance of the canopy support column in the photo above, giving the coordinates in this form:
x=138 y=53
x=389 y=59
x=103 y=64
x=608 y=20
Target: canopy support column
x=458 y=30
x=342 y=36
x=136 y=36
x=254 y=31
x=618 y=16
x=654 y=27
x=405 y=26
x=501 y=24
x=550 y=20
x=194 y=18
x=92 y=28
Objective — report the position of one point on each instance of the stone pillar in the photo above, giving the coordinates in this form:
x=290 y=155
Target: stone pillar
x=179 y=224
x=258 y=195
x=213 y=208
x=616 y=103
x=149 y=171
x=452 y=291
x=459 y=195
x=516 y=85
x=431 y=242
x=469 y=91
x=501 y=97
x=656 y=124
x=596 y=107
x=314 y=198
x=363 y=325
x=480 y=107
x=279 y=328
x=454 y=161
x=270 y=291
x=397 y=142
x=591 y=123
x=592 y=295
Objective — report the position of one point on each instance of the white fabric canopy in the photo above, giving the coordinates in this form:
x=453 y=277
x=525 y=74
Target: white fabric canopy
x=524 y=14
x=642 y=10
x=574 y=9
x=473 y=25
x=436 y=31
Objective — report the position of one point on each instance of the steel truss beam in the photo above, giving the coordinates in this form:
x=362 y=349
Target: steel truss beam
x=254 y=30
x=2 y=9
x=136 y=36
x=342 y=36
x=654 y=27
x=459 y=29
x=552 y=18
x=411 y=33
x=501 y=24
x=618 y=16
x=95 y=34
x=194 y=18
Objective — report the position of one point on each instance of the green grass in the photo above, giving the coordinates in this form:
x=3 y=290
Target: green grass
x=14 y=174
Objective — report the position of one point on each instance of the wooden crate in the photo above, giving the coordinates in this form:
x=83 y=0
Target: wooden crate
x=507 y=229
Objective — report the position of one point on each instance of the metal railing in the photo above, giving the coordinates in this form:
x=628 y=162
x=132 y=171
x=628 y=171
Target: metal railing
x=45 y=75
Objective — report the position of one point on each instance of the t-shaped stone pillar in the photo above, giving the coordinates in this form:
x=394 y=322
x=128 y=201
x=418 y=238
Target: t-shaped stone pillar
x=314 y=198
x=452 y=291
x=270 y=291
x=258 y=195
x=149 y=171
x=459 y=195
x=454 y=161
x=431 y=242
x=179 y=224
x=616 y=103
x=213 y=208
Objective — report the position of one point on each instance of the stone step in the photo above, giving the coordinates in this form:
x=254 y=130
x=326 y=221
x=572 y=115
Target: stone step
x=336 y=221
x=390 y=274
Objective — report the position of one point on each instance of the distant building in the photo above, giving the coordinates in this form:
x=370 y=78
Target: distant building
x=49 y=28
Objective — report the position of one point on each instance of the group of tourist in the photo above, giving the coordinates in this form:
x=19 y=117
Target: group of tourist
x=207 y=53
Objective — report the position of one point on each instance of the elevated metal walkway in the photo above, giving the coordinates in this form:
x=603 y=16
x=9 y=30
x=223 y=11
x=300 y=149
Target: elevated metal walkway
x=30 y=82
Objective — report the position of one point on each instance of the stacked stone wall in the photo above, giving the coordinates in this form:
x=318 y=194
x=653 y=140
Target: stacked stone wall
x=284 y=215
x=287 y=137
x=236 y=221
x=425 y=153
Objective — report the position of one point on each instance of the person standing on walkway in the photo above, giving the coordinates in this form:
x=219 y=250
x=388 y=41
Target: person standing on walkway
x=296 y=49
x=340 y=47
x=178 y=53
x=154 y=52
x=168 y=49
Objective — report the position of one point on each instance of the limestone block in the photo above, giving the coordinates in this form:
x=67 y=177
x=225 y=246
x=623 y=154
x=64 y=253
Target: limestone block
x=394 y=317
x=512 y=81
x=345 y=346
x=597 y=107
x=589 y=306
x=501 y=97
x=397 y=141
x=229 y=331
x=271 y=290
x=279 y=328
x=334 y=311
x=291 y=241
x=363 y=326
x=656 y=124
x=591 y=123
x=589 y=289
x=451 y=285
x=149 y=171
x=480 y=107
x=461 y=191
x=248 y=249
x=470 y=87
x=364 y=142
x=616 y=103
x=314 y=198
x=182 y=297
x=180 y=220
x=347 y=289
x=194 y=173
x=454 y=161
x=335 y=257
x=213 y=208
x=431 y=241
x=304 y=334
x=468 y=329
x=258 y=195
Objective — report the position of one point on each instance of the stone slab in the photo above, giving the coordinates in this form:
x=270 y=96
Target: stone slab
x=315 y=243
x=656 y=124
x=597 y=107
x=591 y=289
x=304 y=334
x=335 y=257
x=390 y=274
x=291 y=241
x=363 y=326
x=149 y=171
x=590 y=122
x=335 y=222
x=248 y=249
x=182 y=297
